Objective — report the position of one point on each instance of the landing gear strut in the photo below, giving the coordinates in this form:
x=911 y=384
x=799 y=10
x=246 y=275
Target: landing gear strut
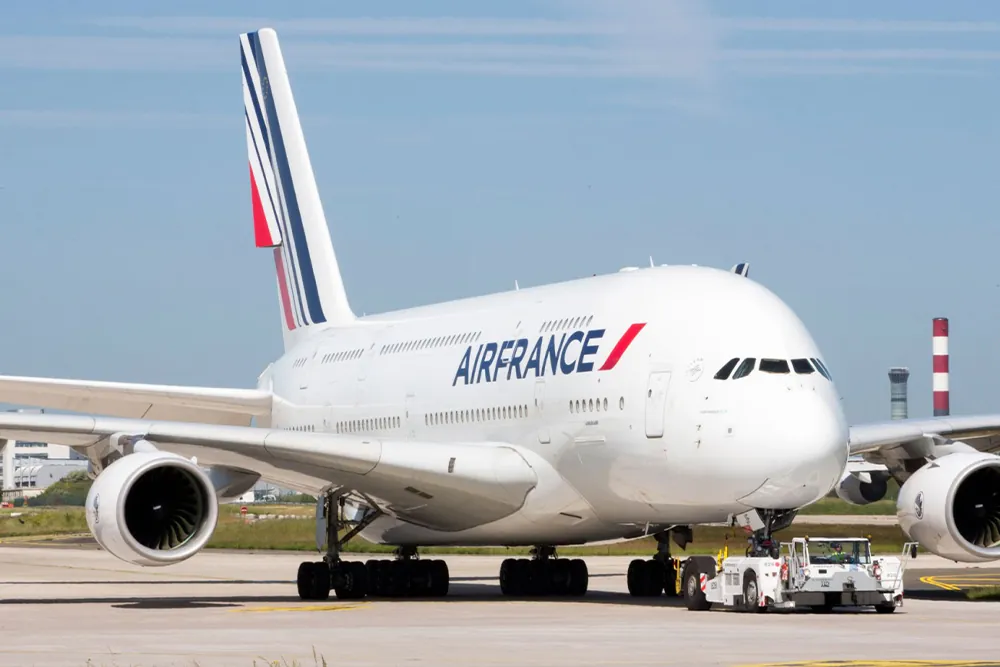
x=404 y=576
x=658 y=575
x=543 y=574
x=349 y=580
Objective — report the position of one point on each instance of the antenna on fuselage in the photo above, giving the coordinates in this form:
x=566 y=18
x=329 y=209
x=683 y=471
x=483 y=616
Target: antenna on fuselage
x=651 y=265
x=516 y=286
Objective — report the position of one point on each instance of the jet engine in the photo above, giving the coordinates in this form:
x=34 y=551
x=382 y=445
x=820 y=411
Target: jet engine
x=952 y=506
x=152 y=508
x=863 y=488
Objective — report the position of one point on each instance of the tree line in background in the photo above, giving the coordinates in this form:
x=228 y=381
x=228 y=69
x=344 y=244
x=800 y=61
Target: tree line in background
x=72 y=491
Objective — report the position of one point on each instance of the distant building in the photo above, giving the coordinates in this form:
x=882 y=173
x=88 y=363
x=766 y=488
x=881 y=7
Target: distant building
x=29 y=467
x=897 y=392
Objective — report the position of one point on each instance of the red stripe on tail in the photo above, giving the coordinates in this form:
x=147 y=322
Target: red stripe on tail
x=286 y=304
x=261 y=234
x=621 y=346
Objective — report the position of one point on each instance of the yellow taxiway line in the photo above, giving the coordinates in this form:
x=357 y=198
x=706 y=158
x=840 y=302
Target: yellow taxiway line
x=311 y=607
x=958 y=582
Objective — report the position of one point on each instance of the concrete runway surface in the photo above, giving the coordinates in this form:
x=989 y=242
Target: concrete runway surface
x=68 y=605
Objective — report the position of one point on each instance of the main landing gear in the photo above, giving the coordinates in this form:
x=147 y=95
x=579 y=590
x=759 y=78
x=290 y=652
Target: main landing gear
x=405 y=576
x=658 y=575
x=543 y=574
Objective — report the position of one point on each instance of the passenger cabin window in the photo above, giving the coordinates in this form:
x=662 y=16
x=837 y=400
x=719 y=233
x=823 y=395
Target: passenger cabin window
x=802 y=366
x=745 y=368
x=724 y=372
x=773 y=366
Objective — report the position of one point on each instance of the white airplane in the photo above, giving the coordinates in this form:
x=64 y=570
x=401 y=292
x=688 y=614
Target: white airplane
x=607 y=408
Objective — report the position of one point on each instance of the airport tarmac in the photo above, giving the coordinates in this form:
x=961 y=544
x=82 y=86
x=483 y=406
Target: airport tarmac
x=67 y=606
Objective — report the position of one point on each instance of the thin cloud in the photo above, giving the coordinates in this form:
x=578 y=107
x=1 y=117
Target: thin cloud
x=501 y=27
x=637 y=59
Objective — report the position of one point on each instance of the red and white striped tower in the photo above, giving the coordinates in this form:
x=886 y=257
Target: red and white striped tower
x=940 y=343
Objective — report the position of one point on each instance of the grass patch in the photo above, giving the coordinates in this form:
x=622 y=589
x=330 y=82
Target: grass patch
x=299 y=534
x=837 y=507
x=983 y=593
x=43 y=521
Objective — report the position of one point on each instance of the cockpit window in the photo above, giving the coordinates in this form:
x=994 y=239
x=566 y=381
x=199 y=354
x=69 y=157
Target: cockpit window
x=745 y=368
x=773 y=366
x=824 y=371
x=724 y=372
x=802 y=366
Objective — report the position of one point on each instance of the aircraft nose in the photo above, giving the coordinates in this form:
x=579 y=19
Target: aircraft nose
x=802 y=444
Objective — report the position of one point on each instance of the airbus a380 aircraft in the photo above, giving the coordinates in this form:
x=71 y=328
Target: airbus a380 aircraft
x=607 y=408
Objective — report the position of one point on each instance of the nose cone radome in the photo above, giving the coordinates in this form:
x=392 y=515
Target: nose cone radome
x=802 y=443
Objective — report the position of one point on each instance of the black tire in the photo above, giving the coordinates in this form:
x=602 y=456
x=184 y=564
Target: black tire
x=559 y=576
x=635 y=578
x=440 y=578
x=523 y=583
x=886 y=608
x=694 y=597
x=579 y=577
x=508 y=577
x=645 y=578
x=374 y=568
x=313 y=581
x=751 y=593
x=382 y=586
x=354 y=584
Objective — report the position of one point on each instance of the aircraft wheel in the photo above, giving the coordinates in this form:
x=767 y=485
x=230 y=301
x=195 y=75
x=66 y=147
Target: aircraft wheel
x=353 y=584
x=313 y=581
x=579 y=578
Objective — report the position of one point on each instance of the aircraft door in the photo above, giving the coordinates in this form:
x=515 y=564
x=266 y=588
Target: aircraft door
x=656 y=403
x=543 y=428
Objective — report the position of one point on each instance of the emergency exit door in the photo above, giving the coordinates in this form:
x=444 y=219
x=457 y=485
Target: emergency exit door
x=656 y=403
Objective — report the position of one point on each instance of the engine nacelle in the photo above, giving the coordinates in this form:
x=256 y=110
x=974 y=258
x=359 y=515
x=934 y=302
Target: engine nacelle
x=952 y=507
x=856 y=491
x=152 y=508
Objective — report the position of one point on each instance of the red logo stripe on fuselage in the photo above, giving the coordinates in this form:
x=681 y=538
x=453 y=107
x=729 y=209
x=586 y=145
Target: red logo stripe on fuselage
x=622 y=345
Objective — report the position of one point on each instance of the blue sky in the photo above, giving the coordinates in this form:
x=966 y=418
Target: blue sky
x=847 y=150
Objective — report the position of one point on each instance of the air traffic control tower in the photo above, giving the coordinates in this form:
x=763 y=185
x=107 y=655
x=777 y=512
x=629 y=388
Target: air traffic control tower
x=897 y=392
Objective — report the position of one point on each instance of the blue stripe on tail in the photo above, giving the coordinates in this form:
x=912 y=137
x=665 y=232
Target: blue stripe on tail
x=286 y=248
x=308 y=277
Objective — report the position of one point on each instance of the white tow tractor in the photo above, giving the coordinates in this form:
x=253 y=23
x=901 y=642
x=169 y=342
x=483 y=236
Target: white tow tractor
x=819 y=573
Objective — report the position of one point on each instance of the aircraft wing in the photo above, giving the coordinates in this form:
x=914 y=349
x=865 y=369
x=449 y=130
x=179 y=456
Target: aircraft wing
x=418 y=481
x=146 y=401
x=909 y=438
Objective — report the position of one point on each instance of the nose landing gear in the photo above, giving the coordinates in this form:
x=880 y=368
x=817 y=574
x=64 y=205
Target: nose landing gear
x=761 y=524
x=658 y=575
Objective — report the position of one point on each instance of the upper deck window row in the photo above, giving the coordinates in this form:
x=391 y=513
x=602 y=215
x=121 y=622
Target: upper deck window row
x=427 y=343
x=565 y=323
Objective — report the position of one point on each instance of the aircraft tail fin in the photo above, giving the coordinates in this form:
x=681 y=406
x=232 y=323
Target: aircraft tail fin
x=287 y=212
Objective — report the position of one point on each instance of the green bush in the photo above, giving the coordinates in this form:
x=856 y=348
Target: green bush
x=70 y=490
